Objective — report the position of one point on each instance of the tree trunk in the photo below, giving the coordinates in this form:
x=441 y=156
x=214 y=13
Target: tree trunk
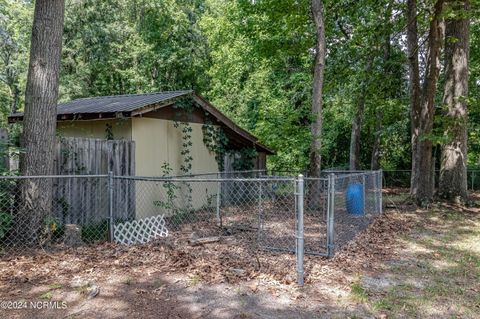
x=387 y=89
x=357 y=123
x=316 y=126
x=38 y=139
x=414 y=84
x=15 y=98
x=375 y=160
x=422 y=118
x=423 y=152
x=453 y=168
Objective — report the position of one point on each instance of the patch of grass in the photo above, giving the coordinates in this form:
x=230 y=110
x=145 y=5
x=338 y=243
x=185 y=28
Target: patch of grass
x=358 y=291
x=55 y=286
x=82 y=289
x=129 y=281
x=396 y=199
x=195 y=280
x=156 y=284
x=47 y=296
x=444 y=272
x=383 y=304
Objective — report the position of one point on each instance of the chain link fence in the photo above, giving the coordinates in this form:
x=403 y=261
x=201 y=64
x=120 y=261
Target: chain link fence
x=356 y=200
x=292 y=214
x=401 y=178
x=46 y=211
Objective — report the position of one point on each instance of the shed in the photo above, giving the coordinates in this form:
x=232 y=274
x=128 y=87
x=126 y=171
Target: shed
x=151 y=121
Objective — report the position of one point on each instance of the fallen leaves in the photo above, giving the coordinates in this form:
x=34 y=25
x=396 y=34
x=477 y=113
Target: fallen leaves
x=234 y=258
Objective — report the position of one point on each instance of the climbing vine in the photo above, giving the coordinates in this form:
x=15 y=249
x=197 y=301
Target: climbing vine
x=186 y=129
x=214 y=138
x=188 y=106
x=186 y=165
x=216 y=142
x=170 y=190
x=109 y=132
x=185 y=103
x=243 y=159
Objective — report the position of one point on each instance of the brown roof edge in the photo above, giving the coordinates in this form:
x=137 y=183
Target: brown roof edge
x=18 y=117
x=230 y=124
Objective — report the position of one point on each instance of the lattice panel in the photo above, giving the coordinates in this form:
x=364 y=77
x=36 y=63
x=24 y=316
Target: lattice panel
x=140 y=231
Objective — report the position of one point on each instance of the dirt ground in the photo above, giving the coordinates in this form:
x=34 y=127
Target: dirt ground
x=408 y=263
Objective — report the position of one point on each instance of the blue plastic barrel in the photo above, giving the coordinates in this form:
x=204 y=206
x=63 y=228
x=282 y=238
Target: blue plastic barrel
x=354 y=199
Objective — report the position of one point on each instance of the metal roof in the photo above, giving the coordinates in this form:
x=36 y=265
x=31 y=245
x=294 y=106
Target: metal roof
x=116 y=103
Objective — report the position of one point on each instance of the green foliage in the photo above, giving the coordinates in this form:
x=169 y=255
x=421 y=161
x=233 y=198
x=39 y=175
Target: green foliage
x=54 y=229
x=187 y=105
x=118 y=47
x=254 y=61
x=358 y=291
x=109 y=132
x=15 y=29
x=186 y=129
x=177 y=214
x=474 y=89
x=243 y=159
x=5 y=224
x=95 y=232
x=216 y=142
x=181 y=215
x=170 y=190
x=7 y=188
x=261 y=71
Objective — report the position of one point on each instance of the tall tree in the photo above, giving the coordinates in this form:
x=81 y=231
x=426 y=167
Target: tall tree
x=317 y=94
x=386 y=87
x=357 y=121
x=414 y=86
x=39 y=127
x=422 y=154
x=453 y=169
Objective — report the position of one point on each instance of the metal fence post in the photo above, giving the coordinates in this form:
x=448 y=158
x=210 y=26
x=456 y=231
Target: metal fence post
x=219 y=192
x=376 y=186
x=380 y=187
x=330 y=215
x=473 y=180
x=364 y=194
x=300 y=239
x=110 y=204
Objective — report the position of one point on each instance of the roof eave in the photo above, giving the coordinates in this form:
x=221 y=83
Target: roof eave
x=207 y=106
x=230 y=124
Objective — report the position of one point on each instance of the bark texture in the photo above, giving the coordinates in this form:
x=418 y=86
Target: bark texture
x=453 y=169
x=38 y=139
x=387 y=90
x=414 y=85
x=422 y=154
x=318 y=76
x=357 y=123
x=377 y=140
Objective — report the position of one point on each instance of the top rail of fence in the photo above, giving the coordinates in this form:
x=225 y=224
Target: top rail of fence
x=259 y=175
x=187 y=179
x=51 y=176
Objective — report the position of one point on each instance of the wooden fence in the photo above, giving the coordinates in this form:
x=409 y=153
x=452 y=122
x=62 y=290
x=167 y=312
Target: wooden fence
x=86 y=200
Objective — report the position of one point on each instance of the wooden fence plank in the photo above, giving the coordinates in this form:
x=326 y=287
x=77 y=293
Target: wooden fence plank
x=85 y=200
